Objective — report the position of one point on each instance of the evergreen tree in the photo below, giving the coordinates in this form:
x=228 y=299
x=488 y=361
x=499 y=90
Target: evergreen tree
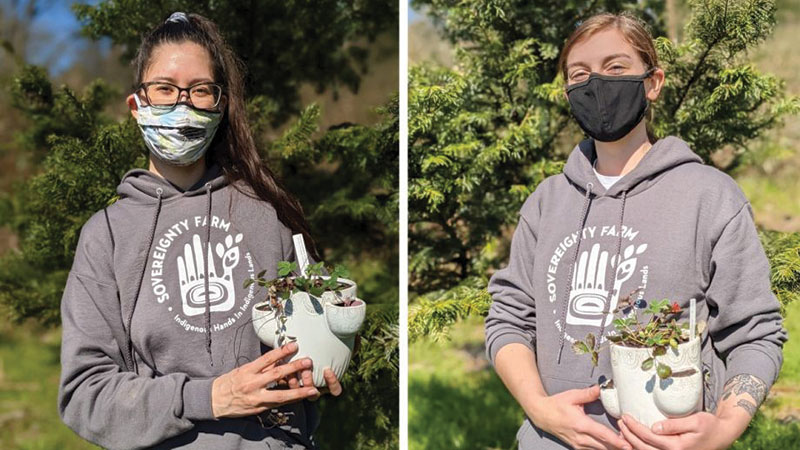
x=484 y=133
x=345 y=176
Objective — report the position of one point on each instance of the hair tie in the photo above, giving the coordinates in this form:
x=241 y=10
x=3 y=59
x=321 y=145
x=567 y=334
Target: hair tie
x=177 y=17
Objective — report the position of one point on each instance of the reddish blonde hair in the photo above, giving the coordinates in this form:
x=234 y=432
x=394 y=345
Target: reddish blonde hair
x=633 y=29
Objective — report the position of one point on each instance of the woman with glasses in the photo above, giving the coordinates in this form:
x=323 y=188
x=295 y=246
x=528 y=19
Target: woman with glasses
x=157 y=348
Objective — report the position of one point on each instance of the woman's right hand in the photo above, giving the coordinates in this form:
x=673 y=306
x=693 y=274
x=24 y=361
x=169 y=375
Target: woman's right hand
x=562 y=415
x=243 y=391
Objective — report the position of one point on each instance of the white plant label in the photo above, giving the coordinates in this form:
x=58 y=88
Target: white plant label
x=300 y=251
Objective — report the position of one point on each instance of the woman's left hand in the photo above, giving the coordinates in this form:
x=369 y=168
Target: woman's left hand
x=697 y=431
x=333 y=386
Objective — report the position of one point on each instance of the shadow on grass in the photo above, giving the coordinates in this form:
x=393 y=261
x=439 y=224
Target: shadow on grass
x=473 y=413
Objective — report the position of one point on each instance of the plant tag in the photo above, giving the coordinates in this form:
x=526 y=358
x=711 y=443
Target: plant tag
x=692 y=318
x=301 y=253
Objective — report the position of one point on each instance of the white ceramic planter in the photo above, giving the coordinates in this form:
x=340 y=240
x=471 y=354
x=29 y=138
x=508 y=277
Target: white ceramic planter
x=323 y=331
x=646 y=397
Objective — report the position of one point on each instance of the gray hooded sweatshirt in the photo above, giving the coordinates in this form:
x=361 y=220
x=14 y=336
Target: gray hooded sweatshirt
x=682 y=229
x=141 y=347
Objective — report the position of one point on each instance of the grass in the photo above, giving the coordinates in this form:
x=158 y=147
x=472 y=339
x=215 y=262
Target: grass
x=783 y=402
x=455 y=400
x=29 y=371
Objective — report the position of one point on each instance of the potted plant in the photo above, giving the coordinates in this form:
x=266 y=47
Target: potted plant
x=319 y=312
x=655 y=363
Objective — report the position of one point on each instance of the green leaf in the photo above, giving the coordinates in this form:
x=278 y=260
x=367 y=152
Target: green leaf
x=664 y=371
x=647 y=364
x=330 y=284
x=248 y=282
x=580 y=348
x=315 y=269
x=261 y=274
x=341 y=272
x=594 y=358
x=659 y=351
x=673 y=343
x=316 y=290
x=286 y=267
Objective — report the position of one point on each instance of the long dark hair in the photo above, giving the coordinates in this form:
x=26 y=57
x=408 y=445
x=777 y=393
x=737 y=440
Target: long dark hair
x=234 y=148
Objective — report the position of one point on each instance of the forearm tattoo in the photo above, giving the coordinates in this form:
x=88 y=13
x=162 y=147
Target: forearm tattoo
x=746 y=384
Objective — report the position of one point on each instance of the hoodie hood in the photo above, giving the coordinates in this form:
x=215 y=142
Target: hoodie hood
x=141 y=186
x=664 y=155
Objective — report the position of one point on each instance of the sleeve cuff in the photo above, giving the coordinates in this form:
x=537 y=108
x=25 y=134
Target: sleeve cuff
x=498 y=342
x=752 y=361
x=197 y=400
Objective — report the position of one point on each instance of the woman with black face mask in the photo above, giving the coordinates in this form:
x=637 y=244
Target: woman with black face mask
x=629 y=213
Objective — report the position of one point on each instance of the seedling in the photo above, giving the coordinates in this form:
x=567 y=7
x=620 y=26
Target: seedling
x=288 y=282
x=660 y=332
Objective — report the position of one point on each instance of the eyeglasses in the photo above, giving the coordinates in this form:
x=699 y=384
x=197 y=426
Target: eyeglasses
x=205 y=95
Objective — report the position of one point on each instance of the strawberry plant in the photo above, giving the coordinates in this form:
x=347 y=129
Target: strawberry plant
x=660 y=332
x=288 y=282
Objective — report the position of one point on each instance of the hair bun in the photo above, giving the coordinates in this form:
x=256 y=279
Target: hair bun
x=177 y=17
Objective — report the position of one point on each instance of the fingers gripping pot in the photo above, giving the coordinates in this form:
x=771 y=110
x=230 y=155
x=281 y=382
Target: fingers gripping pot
x=322 y=326
x=645 y=396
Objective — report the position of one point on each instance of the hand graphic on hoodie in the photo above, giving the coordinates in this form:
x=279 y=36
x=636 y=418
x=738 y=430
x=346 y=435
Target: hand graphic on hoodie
x=589 y=296
x=191 y=269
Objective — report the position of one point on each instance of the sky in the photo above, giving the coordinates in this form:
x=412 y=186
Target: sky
x=59 y=22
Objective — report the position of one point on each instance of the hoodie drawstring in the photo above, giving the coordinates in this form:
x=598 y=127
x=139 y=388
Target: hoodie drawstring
x=568 y=290
x=615 y=259
x=151 y=236
x=208 y=256
x=615 y=264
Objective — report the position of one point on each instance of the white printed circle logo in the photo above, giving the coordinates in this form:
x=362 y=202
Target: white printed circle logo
x=589 y=301
x=222 y=259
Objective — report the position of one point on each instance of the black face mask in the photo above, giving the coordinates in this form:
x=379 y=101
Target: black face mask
x=609 y=107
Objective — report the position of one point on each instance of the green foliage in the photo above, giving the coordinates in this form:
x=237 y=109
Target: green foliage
x=345 y=177
x=764 y=433
x=54 y=111
x=660 y=331
x=783 y=252
x=283 y=44
x=713 y=96
x=484 y=133
x=455 y=400
x=432 y=313
x=86 y=156
x=29 y=364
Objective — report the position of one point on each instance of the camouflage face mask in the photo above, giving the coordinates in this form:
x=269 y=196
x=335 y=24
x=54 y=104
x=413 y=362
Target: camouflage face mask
x=179 y=135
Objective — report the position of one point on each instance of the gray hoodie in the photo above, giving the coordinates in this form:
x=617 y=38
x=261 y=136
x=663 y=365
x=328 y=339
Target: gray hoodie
x=683 y=229
x=138 y=355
